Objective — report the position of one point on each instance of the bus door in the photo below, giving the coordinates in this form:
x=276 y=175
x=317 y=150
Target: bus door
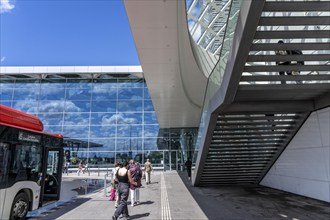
x=51 y=186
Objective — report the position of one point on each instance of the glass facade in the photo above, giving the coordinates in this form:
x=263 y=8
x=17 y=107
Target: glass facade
x=103 y=120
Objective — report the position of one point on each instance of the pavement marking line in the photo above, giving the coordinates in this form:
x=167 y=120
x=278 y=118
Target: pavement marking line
x=166 y=212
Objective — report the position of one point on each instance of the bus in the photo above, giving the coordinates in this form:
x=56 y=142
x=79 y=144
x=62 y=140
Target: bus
x=30 y=164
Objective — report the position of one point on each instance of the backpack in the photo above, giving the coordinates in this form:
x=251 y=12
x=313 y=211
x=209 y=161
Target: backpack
x=296 y=52
x=138 y=173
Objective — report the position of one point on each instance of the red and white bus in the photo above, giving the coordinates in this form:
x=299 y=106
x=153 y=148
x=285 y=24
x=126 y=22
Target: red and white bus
x=30 y=164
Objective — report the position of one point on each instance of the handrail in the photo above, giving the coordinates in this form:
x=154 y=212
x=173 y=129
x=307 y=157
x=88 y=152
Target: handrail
x=215 y=78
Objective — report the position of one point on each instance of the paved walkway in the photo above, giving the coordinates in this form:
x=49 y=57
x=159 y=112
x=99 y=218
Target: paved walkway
x=170 y=196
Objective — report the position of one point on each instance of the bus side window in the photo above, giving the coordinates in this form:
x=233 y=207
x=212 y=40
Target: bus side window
x=4 y=150
x=4 y=156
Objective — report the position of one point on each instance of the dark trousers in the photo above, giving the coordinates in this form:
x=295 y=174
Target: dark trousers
x=282 y=72
x=123 y=190
x=189 y=171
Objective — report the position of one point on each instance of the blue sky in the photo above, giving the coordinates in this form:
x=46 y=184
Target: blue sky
x=65 y=33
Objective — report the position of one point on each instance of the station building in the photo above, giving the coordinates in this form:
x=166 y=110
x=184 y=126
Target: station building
x=210 y=88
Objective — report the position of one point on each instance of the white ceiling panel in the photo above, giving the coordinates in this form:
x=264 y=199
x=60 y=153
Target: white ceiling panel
x=149 y=14
x=155 y=28
x=156 y=38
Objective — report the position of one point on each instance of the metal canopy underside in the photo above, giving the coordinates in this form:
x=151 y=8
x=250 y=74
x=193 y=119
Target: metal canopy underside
x=70 y=72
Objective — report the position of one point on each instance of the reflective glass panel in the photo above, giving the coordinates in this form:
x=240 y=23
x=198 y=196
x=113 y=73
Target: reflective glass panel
x=77 y=106
x=148 y=105
x=53 y=129
x=102 y=144
x=78 y=94
x=130 y=93
x=150 y=143
x=146 y=93
x=129 y=130
x=75 y=131
x=103 y=118
x=79 y=84
x=129 y=105
x=102 y=131
x=26 y=94
x=129 y=118
x=51 y=118
x=100 y=93
x=52 y=93
x=150 y=118
x=104 y=106
x=76 y=118
x=26 y=106
x=151 y=131
x=6 y=94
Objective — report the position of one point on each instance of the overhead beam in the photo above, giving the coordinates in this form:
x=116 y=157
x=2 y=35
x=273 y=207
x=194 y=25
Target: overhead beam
x=273 y=58
x=289 y=46
x=294 y=21
x=295 y=6
x=292 y=34
x=284 y=77
x=273 y=106
x=283 y=68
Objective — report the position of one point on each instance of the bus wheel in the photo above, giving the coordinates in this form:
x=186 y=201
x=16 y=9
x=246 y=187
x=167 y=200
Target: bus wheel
x=20 y=207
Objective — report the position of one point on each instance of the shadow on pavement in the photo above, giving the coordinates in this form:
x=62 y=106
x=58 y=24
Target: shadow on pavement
x=61 y=209
x=251 y=202
x=146 y=203
x=139 y=215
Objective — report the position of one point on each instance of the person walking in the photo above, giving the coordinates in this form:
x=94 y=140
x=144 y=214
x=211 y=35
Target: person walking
x=65 y=169
x=136 y=174
x=115 y=182
x=147 y=171
x=188 y=164
x=124 y=178
x=280 y=63
x=86 y=168
x=80 y=166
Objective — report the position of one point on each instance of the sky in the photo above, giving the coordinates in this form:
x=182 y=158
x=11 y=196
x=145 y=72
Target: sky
x=65 y=33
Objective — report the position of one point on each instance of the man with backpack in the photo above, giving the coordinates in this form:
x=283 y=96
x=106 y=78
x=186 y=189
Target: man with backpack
x=289 y=52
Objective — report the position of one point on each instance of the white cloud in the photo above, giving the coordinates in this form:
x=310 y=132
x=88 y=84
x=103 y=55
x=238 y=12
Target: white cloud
x=6 y=6
x=3 y=59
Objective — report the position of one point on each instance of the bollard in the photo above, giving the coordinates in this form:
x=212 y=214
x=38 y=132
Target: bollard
x=98 y=171
x=86 y=184
x=105 y=185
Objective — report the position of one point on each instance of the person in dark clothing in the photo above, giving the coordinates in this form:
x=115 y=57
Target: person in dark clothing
x=298 y=63
x=124 y=178
x=283 y=53
x=188 y=164
x=289 y=52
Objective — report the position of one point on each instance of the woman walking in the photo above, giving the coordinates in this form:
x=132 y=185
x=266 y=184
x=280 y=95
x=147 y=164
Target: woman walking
x=124 y=178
